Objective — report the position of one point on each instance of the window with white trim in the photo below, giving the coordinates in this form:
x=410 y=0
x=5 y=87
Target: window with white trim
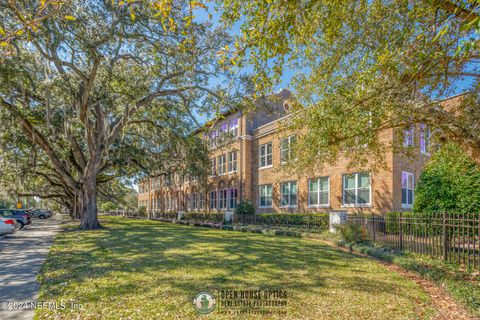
x=409 y=136
x=319 y=191
x=232 y=198
x=213 y=138
x=288 y=194
x=222 y=198
x=424 y=138
x=194 y=201
x=232 y=161
x=356 y=189
x=213 y=200
x=201 y=201
x=286 y=148
x=407 y=189
x=265 y=196
x=213 y=167
x=265 y=155
x=233 y=127
x=222 y=164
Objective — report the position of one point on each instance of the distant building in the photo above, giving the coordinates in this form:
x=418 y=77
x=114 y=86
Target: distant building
x=246 y=153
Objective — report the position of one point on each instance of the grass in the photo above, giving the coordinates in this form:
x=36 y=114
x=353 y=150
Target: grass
x=138 y=269
x=462 y=286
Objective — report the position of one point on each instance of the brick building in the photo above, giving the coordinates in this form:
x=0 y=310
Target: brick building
x=246 y=155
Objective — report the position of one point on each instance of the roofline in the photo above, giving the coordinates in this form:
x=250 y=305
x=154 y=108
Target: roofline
x=454 y=96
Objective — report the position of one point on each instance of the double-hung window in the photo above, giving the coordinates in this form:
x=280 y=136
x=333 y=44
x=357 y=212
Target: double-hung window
x=222 y=164
x=222 y=132
x=289 y=194
x=222 y=198
x=213 y=138
x=232 y=161
x=424 y=139
x=194 y=201
x=232 y=198
x=356 y=189
x=318 y=192
x=286 y=148
x=213 y=167
x=201 y=200
x=265 y=196
x=409 y=136
x=213 y=200
x=233 y=127
x=265 y=155
x=407 y=189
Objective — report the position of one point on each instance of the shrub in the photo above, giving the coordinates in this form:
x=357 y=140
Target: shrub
x=108 y=206
x=142 y=210
x=245 y=207
x=450 y=182
x=296 y=219
x=352 y=233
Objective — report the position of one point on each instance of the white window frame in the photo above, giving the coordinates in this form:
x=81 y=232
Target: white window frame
x=213 y=135
x=356 y=204
x=290 y=205
x=265 y=195
x=194 y=201
x=263 y=154
x=233 y=129
x=222 y=199
x=288 y=149
x=213 y=167
x=201 y=201
x=408 y=205
x=213 y=200
x=232 y=162
x=222 y=132
x=409 y=136
x=222 y=164
x=319 y=205
x=425 y=135
x=229 y=204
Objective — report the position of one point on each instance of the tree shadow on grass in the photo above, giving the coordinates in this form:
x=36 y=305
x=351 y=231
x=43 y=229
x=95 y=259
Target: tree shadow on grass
x=207 y=259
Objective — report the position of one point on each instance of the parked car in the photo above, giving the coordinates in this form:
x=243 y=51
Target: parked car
x=21 y=217
x=38 y=213
x=7 y=226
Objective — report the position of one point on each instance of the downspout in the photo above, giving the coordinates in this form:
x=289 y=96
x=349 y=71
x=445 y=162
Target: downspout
x=241 y=162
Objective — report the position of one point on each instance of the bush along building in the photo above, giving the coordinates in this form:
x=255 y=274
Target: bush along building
x=246 y=156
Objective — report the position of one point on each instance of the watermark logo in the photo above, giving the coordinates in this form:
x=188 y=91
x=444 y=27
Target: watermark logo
x=204 y=302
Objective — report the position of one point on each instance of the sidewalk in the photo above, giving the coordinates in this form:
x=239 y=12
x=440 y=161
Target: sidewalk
x=21 y=257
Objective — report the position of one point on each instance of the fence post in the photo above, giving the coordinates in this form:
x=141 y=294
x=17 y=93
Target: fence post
x=400 y=231
x=445 y=237
x=373 y=227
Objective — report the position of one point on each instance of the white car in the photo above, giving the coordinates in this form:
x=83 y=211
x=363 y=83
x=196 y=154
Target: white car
x=7 y=225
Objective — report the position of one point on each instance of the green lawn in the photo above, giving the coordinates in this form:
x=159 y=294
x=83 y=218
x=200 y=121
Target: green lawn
x=139 y=269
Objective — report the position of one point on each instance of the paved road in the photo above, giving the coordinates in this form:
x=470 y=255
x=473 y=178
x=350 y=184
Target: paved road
x=21 y=256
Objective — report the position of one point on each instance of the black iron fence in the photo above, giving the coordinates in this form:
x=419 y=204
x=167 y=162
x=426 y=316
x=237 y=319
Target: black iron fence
x=453 y=237
x=312 y=222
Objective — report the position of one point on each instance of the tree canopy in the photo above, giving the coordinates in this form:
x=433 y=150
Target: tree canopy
x=95 y=90
x=360 y=67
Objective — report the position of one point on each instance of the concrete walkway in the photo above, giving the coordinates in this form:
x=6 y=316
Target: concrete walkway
x=21 y=257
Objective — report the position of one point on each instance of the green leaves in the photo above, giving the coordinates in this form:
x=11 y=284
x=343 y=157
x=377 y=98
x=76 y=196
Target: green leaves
x=349 y=57
x=451 y=181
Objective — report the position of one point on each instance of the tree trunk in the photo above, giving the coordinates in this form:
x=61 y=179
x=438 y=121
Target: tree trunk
x=89 y=205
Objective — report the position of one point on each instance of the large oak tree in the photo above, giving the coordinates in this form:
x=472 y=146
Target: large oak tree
x=98 y=87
